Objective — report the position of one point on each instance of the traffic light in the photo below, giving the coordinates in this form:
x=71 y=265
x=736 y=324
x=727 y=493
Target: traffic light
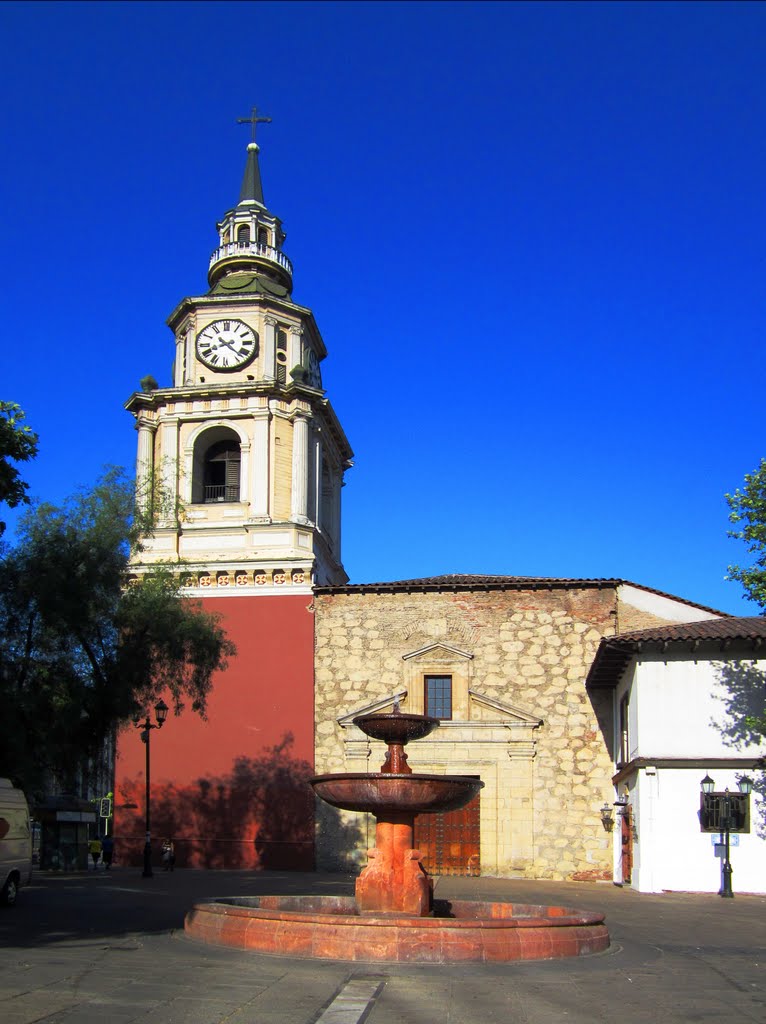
x=106 y=807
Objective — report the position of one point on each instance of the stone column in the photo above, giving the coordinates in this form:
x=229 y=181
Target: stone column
x=269 y=347
x=299 y=496
x=179 y=368
x=189 y=355
x=516 y=837
x=145 y=461
x=294 y=348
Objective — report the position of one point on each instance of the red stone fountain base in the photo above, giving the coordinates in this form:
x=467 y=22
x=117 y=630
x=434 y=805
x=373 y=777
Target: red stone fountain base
x=393 y=918
x=331 y=928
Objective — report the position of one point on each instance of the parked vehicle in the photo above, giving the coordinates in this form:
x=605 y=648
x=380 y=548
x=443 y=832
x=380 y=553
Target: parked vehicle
x=15 y=842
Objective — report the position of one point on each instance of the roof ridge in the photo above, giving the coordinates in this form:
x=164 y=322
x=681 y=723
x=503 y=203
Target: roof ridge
x=488 y=580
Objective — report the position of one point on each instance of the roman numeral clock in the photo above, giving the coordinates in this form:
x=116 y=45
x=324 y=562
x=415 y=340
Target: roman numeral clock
x=226 y=345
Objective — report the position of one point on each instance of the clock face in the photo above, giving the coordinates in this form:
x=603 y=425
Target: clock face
x=226 y=345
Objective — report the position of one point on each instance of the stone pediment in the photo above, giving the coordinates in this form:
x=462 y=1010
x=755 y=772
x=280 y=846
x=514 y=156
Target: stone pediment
x=383 y=704
x=487 y=709
x=501 y=711
x=433 y=653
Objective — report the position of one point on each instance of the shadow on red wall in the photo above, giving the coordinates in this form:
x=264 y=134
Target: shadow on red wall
x=260 y=816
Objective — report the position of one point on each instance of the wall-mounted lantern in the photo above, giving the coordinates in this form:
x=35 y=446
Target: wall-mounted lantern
x=607 y=818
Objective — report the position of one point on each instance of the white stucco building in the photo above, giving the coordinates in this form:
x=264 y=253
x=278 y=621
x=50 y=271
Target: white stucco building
x=680 y=696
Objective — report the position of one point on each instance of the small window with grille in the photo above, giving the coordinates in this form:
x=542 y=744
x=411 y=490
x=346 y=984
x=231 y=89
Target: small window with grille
x=243 y=234
x=721 y=812
x=281 y=356
x=438 y=696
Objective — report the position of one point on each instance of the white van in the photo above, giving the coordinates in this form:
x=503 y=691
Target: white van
x=15 y=842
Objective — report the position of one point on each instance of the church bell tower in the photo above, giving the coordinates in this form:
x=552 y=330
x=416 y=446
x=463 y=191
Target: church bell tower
x=243 y=454
x=243 y=459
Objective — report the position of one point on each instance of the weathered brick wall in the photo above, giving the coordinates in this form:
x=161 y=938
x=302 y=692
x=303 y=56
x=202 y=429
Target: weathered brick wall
x=630 y=618
x=531 y=649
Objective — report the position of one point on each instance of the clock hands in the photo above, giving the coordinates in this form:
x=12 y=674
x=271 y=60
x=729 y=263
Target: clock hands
x=228 y=344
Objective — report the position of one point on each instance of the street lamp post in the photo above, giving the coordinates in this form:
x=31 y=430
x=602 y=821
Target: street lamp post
x=161 y=713
x=725 y=825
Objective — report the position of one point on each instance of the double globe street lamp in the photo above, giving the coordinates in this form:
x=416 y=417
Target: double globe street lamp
x=161 y=713
x=728 y=813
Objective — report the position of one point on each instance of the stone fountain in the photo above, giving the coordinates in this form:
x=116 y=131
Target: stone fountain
x=394 y=881
x=394 y=917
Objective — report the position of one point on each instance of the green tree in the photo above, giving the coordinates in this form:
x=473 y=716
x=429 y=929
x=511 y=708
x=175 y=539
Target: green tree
x=18 y=443
x=747 y=511
x=82 y=650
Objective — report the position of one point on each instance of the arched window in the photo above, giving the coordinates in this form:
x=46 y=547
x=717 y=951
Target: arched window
x=243 y=234
x=263 y=236
x=217 y=462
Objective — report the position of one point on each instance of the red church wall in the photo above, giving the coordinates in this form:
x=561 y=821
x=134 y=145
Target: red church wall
x=231 y=790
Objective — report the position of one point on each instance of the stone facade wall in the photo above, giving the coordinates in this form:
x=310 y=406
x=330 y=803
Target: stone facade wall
x=529 y=649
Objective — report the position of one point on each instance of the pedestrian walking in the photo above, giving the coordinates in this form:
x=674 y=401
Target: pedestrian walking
x=168 y=855
x=107 y=851
x=94 y=848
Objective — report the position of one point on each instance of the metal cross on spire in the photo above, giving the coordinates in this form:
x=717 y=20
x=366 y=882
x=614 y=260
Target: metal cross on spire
x=254 y=120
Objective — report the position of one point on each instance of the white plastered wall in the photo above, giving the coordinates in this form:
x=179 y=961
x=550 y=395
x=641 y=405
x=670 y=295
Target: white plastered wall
x=677 y=709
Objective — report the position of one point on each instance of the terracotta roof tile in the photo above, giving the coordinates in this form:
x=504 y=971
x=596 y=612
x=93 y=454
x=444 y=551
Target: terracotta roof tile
x=731 y=628
x=708 y=636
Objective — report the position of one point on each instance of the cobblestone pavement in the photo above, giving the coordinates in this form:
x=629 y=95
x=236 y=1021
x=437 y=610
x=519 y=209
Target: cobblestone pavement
x=110 y=947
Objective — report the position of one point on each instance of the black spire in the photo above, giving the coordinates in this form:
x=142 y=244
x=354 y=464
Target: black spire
x=252 y=190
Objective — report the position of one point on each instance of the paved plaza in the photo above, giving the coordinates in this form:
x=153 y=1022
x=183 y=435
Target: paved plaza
x=109 y=947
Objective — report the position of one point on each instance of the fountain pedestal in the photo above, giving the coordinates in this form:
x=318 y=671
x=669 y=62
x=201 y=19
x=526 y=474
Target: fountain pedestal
x=394 y=881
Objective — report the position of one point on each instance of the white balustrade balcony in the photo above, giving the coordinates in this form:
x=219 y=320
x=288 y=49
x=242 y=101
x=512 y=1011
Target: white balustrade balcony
x=266 y=252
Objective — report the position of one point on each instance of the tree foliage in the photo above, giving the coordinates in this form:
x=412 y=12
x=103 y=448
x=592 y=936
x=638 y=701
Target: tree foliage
x=747 y=511
x=18 y=443
x=80 y=651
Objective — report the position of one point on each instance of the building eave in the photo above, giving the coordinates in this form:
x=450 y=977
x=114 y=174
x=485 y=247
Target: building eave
x=707 y=639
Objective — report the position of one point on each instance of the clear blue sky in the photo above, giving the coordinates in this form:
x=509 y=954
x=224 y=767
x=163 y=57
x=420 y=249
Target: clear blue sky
x=532 y=236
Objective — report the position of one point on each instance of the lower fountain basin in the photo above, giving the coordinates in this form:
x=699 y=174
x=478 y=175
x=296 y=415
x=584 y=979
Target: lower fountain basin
x=330 y=928
x=395 y=794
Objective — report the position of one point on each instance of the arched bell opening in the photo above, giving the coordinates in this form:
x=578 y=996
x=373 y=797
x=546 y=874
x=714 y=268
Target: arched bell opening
x=217 y=467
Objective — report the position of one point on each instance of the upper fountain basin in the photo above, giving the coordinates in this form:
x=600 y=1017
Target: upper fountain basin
x=396 y=727
x=403 y=794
